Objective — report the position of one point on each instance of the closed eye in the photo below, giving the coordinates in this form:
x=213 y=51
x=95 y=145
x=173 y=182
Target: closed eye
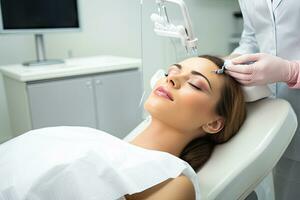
x=194 y=86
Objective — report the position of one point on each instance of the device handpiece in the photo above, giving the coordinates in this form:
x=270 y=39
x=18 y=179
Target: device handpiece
x=223 y=68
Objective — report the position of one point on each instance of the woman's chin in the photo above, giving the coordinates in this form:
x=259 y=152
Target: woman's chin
x=167 y=113
x=156 y=109
x=156 y=104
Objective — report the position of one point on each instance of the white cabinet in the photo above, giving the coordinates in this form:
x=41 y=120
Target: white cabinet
x=107 y=102
x=62 y=102
x=117 y=101
x=103 y=97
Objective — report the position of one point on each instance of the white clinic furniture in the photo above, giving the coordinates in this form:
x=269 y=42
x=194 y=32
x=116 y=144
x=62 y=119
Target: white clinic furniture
x=245 y=163
x=101 y=92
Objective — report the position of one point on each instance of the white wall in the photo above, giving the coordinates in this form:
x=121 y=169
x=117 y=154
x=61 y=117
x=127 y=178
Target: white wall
x=109 y=27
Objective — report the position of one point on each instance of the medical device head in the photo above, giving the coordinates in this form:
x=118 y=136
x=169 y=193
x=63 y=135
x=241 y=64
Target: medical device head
x=163 y=26
x=222 y=70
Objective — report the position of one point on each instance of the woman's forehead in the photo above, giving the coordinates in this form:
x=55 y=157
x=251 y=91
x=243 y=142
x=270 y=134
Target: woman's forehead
x=200 y=63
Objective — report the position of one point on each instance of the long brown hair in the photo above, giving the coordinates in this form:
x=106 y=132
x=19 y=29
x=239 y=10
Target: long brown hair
x=232 y=107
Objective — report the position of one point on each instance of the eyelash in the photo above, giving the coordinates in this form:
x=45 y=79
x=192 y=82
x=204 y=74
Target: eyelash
x=194 y=86
x=197 y=88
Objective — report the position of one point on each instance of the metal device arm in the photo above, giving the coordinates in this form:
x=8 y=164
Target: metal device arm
x=185 y=13
x=184 y=32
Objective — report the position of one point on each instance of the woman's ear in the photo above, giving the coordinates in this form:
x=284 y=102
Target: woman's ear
x=214 y=126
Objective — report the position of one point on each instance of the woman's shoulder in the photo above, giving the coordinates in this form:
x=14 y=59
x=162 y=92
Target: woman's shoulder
x=179 y=188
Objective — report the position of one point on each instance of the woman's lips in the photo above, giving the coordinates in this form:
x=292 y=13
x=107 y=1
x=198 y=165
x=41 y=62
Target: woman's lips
x=161 y=91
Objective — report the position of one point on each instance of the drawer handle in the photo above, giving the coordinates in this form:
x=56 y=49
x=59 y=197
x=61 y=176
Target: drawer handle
x=88 y=84
x=98 y=82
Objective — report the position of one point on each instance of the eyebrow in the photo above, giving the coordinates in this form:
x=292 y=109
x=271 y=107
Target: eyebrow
x=179 y=66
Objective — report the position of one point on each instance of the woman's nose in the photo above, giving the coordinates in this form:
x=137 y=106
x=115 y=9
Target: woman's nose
x=174 y=81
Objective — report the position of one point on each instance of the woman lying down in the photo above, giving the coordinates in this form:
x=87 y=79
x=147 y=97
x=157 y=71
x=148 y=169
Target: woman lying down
x=192 y=110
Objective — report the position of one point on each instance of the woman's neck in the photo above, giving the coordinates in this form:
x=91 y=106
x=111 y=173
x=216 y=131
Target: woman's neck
x=161 y=137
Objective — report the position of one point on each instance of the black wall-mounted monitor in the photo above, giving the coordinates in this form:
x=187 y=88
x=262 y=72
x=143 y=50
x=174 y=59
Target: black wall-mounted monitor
x=39 y=16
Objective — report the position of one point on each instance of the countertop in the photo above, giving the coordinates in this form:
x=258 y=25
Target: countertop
x=71 y=67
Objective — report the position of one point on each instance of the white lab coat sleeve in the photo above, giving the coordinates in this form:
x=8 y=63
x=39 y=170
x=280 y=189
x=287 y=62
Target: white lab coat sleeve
x=248 y=42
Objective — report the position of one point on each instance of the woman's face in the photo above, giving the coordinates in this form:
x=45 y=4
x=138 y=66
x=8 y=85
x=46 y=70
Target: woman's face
x=186 y=98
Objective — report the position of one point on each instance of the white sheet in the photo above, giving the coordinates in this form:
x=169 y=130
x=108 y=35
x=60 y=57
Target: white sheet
x=76 y=163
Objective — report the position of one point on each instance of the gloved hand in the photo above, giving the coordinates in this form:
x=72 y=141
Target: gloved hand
x=263 y=69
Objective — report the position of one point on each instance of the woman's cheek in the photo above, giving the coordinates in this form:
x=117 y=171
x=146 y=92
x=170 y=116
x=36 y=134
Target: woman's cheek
x=193 y=109
x=194 y=100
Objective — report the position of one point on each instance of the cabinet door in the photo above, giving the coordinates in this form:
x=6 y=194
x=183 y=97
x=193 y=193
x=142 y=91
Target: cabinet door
x=62 y=102
x=118 y=95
